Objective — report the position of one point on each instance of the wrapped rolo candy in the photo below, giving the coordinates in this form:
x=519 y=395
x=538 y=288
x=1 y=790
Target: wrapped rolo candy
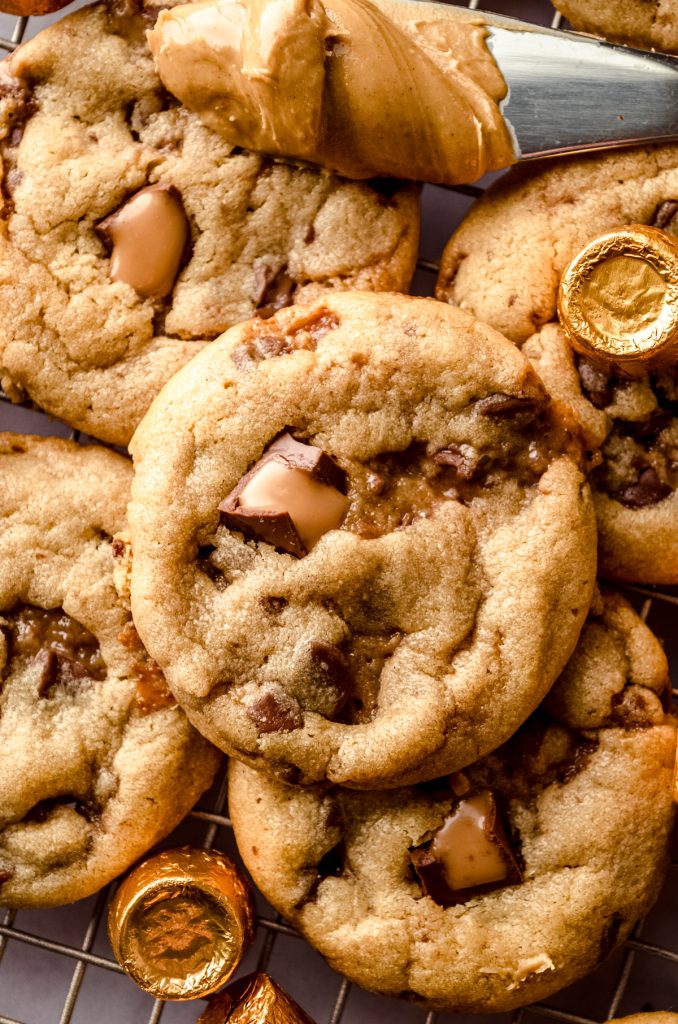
x=181 y=921
x=255 y=999
x=618 y=298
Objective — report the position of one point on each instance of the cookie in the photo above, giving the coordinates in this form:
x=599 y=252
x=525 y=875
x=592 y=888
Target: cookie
x=497 y=886
x=652 y=25
x=362 y=546
x=99 y=160
x=504 y=264
x=97 y=762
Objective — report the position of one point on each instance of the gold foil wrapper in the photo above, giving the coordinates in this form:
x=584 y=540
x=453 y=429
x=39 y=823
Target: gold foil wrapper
x=256 y=999
x=181 y=921
x=618 y=298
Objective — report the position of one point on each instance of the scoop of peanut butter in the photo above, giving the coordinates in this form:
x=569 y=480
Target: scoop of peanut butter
x=366 y=89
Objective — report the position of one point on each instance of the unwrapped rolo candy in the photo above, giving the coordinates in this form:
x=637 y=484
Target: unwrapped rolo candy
x=181 y=921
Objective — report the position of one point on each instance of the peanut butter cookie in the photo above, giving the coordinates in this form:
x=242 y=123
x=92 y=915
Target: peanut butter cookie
x=362 y=546
x=497 y=886
x=504 y=264
x=131 y=234
x=97 y=762
x=652 y=24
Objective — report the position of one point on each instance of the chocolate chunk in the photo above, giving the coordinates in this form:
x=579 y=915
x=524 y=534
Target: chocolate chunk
x=148 y=236
x=258 y=348
x=5 y=874
x=273 y=291
x=464 y=459
x=331 y=672
x=312 y=460
x=275 y=712
x=647 y=490
x=274 y=605
x=500 y=405
x=596 y=382
x=292 y=496
x=469 y=854
x=664 y=214
x=648 y=429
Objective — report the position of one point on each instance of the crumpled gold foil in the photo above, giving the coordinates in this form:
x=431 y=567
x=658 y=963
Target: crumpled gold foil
x=256 y=999
x=618 y=298
x=181 y=921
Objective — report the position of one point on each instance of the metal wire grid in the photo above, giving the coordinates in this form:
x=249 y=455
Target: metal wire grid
x=214 y=819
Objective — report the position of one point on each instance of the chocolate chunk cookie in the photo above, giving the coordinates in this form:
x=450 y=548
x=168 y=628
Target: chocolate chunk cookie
x=651 y=24
x=97 y=762
x=504 y=264
x=631 y=427
x=130 y=234
x=497 y=886
x=363 y=549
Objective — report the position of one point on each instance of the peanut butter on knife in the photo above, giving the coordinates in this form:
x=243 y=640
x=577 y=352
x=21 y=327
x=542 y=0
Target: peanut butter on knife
x=365 y=89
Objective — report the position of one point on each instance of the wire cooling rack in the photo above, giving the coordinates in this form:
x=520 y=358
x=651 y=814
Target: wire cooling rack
x=56 y=966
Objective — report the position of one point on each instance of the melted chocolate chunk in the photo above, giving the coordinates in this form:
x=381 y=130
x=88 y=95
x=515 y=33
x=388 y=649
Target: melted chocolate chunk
x=68 y=654
x=466 y=460
x=647 y=490
x=275 y=712
x=500 y=405
x=664 y=214
x=264 y=516
x=469 y=854
x=331 y=672
x=273 y=291
x=597 y=382
x=267 y=341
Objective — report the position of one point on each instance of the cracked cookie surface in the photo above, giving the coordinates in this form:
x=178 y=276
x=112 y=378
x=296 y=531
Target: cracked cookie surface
x=428 y=622
x=85 y=125
x=585 y=791
x=97 y=762
x=652 y=24
x=504 y=264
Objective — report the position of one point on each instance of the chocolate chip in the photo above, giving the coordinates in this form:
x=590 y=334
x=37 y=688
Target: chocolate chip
x=664 y=213
x=468 y=855
x=647 y=490
x=275 y=712
x=331 y=672
x=6 y=874
x=67 y=653
x=273 y=292
x=648 y=429
x=206 y=565
x=500 y=405
x=274 y=605
x=596 y=382
x=119 y=547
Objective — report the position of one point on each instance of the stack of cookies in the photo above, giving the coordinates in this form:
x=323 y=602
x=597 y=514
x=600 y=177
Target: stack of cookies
x=357 y=547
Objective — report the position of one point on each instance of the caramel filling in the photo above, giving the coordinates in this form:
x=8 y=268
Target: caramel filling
x=314 y=508
x=148 y=235
x=466 y=845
